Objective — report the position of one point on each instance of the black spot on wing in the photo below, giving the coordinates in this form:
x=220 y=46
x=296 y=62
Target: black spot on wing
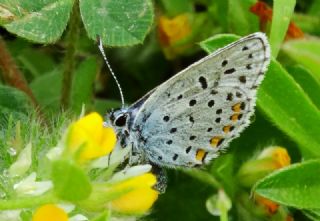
x=192 y=102
x=242 y=79
x=245 y=48
x=173 y=130
x=211 y=103
x=203 y=82
x=229 y=97
x=166 y=118
x=229 y=71
x=224 y=63
x=175 y=157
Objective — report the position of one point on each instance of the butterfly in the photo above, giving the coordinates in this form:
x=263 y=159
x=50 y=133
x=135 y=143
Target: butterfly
x=191 y=118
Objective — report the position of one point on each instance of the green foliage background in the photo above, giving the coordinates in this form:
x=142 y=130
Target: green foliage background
x=53 y=45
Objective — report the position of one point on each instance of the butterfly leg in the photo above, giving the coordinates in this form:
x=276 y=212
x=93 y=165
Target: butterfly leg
x=161 y=175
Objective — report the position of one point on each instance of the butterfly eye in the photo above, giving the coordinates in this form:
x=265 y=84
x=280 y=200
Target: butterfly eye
x=121 y=120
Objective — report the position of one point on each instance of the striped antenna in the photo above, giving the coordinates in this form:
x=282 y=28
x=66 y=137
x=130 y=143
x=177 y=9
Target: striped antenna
x=110 y=69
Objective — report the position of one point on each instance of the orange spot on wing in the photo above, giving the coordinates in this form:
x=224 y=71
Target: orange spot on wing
x=227 y=129
x=235 y=117
x=236 y=107
x=216 y=141
x=200 y=155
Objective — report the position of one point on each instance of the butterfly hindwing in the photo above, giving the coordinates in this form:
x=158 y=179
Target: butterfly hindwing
x=189 y=119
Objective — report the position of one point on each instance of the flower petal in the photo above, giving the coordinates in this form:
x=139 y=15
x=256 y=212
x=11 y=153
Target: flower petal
x=136 y=201
x=10 y=215
x=91 y=124
x=23 y=162
x=29 y=186
x=78 y=217
x=89 y=139
x=131 y=172
x=140 y=198
x=49 y=212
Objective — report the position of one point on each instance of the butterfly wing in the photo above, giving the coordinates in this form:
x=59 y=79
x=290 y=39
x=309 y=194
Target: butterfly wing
x=190 y=118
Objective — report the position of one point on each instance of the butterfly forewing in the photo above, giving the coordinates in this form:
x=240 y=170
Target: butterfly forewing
x=189 y=119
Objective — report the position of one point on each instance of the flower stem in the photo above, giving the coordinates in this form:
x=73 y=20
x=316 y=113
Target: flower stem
x=69 y=59
x=204 y=177
x=11 y=73
x=224 y=214
x=27 y=202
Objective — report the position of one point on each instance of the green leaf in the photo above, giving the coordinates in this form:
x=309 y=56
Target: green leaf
x=103 y=105
x=218 y=41
x=305 y=52
x=38 y=20
x=223 y=170
x=104 y=216
x=241 y=20
x=218 y=9
x=315 y=8
x=26 y=215
x=118 y=23
x=82 y=88
x=290 y=109
x=70 y=182
x=297 y=185
x=307 y=81
x=281 y=15
x=312 y=214
x=30 y=58
x=13 y=103
x=308 y=23
x=47 y=89
x=14 y=100
x=176 y=7
x=203 y=176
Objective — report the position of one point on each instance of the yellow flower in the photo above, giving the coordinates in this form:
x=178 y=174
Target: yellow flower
x=172 y=30
x=89 y=138
x=50 y=212
x=175 y=34
x=140 y=199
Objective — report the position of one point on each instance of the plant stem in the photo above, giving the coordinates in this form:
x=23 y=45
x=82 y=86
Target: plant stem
x=204 y=177
x=11 y=73
x=69 y=59
x=27 y=202
x=224 y=214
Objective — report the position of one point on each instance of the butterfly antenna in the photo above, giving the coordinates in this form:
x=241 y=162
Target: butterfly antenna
x=110 y=69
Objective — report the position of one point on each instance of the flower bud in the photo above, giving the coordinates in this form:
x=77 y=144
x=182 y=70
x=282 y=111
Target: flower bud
x=269 y=160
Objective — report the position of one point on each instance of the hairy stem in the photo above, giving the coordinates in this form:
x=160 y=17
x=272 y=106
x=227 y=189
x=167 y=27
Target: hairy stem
x=11 y=73
x=69 y=59
x=27 y=202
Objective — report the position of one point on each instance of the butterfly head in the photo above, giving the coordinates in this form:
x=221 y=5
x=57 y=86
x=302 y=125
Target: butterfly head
x=118 y=118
